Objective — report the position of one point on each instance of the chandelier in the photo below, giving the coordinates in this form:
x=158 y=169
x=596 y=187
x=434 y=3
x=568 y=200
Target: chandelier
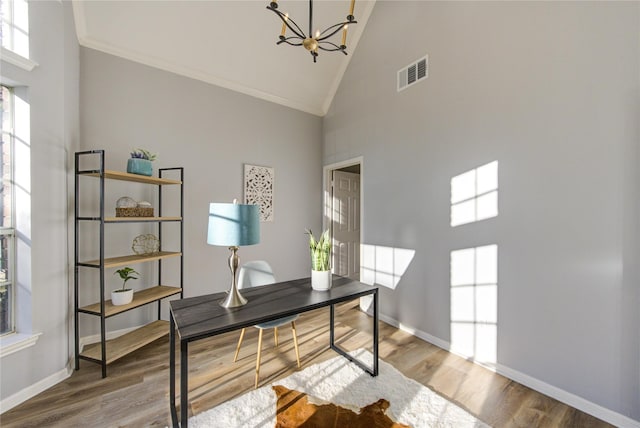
x=319 y=40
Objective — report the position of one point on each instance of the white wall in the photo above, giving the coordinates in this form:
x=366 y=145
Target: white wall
x=551 y=91
x=211 y=132
x=52 y=89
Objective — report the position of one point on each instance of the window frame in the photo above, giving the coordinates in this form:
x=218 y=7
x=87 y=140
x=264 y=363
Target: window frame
x=8 y=137
x=20 y=57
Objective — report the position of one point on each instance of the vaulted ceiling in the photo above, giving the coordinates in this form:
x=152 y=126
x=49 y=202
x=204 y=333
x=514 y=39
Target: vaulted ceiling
x=227 y=43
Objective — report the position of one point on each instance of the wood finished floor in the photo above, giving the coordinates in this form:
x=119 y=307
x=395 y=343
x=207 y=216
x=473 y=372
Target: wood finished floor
x=135 y=394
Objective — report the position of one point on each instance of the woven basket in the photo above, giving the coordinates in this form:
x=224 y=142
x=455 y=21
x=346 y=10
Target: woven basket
x=134 y=212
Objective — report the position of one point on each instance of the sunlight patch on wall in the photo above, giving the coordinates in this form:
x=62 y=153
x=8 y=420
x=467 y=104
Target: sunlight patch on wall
x=474 y=303
x=474 y=195
x=384 y=266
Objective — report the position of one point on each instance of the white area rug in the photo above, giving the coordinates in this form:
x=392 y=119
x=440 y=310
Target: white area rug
x=342 y=383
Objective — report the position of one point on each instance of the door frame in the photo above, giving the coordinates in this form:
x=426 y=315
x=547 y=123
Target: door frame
x=327 y=199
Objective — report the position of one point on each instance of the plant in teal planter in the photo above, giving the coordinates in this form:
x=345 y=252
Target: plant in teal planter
x=140 y=162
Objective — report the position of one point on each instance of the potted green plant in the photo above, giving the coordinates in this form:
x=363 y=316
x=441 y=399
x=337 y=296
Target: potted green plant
x=123 y=295
x=141 y=162
x=320 y=260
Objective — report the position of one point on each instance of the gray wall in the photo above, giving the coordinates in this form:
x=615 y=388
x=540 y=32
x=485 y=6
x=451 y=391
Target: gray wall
x=551 y=91
x=44 y=299
x=212 y=132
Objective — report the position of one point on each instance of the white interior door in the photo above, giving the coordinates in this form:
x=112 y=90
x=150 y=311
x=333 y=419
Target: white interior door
x=345 y=224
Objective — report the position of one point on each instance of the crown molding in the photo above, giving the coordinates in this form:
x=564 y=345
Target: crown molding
x=80 y=21
x=317 y=109
x=86 y=41
x=91 y=43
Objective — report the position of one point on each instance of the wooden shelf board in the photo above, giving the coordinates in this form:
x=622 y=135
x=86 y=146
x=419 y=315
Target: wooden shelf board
x=133 y=258
x=127 y=343
x=125 y=176
x=140 y=219
x=140 y=298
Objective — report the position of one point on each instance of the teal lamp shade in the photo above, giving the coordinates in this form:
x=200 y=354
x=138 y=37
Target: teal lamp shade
x=233 y=225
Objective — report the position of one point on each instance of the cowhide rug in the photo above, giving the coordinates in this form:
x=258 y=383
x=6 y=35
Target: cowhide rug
x=295 y=411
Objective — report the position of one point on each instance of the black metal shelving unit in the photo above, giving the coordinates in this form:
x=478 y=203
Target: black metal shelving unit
x=106 y=351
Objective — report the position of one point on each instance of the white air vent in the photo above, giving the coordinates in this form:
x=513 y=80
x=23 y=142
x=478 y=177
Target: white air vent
x=413 y=73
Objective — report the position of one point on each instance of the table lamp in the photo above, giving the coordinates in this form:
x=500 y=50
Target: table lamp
x=233 y=225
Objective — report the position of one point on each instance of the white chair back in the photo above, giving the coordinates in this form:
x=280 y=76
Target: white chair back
x=255 y=274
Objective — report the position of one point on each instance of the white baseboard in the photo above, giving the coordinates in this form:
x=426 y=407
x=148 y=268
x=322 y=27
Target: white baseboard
x=417 y=333
x=568 y=398
x=35 y=389
x=46 y=383
x=561 y=395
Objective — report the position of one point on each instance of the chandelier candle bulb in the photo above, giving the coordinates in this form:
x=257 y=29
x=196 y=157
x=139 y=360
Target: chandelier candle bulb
x=284 y=24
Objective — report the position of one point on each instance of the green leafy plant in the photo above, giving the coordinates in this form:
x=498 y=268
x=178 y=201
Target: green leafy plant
x=126 y=274
x=320 y=251
x=143 y=154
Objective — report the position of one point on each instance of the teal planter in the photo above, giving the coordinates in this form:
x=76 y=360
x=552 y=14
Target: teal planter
x=140 y=166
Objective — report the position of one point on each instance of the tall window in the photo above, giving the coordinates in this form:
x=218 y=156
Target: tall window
x=15 y=26
x=7 y=216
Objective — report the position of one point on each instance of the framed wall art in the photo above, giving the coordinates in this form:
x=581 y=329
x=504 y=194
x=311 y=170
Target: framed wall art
x=258 y=189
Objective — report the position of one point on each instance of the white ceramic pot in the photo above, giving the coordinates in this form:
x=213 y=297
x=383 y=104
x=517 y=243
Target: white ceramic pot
x=321 y=280
x=121 y=297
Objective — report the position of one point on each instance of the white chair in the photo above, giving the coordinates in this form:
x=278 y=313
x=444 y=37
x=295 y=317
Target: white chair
x=255 y=274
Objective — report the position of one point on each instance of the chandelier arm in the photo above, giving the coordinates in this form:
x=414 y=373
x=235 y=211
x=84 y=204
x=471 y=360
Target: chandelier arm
x=335 y=48
x=297 y=30
x=335 y=28
x=288 y=42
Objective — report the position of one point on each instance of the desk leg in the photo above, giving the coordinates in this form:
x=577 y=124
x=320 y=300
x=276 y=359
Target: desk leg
x=172 y=371
x=331 y=322
x=184 y=388
x=373 y=371
x=375 y=333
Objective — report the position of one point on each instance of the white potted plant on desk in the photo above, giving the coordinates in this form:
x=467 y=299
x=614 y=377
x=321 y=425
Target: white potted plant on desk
x=123 y=295
x=320 y=261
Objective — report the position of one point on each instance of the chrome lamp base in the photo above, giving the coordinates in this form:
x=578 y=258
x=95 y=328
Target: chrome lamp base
x=234 y=298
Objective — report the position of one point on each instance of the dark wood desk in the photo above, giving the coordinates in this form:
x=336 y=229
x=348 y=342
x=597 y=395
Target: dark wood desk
x=196 y=318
